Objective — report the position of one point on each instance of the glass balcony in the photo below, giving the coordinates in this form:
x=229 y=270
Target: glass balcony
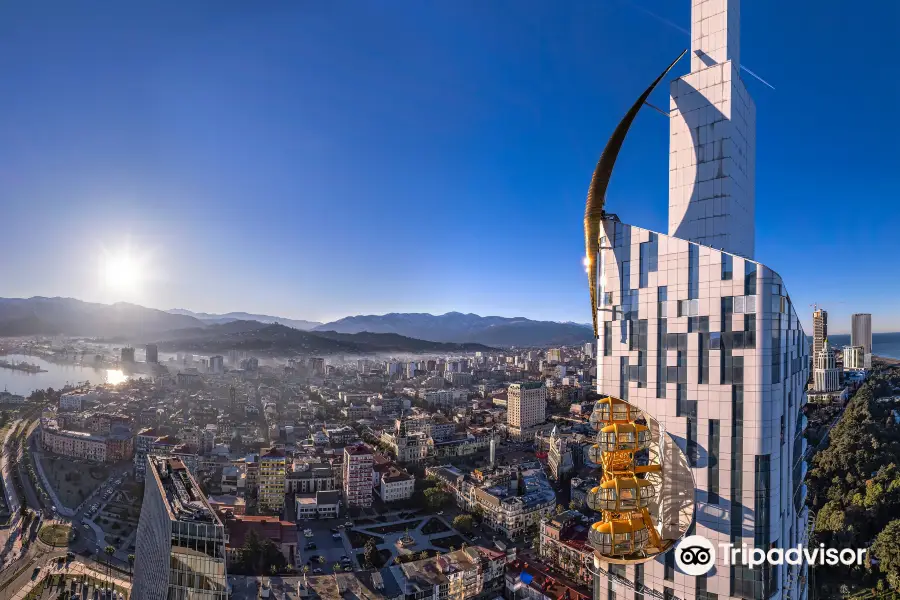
x=619 y=537
x=622 y=494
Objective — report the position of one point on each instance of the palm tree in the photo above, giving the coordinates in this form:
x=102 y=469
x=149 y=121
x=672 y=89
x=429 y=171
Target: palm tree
x=273 y=569
x=109 y=551
x=131 y=564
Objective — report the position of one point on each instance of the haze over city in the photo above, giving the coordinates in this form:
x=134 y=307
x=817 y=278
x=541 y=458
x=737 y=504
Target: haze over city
x=313 y=162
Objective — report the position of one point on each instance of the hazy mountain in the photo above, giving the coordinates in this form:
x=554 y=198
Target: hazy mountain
x=458 y=327
x=242 y=316
x=67 y=316
x=282 y=340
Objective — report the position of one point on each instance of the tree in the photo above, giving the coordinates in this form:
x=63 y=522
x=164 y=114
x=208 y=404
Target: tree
x=435 y=498
x=109 y=551
x=573 y=505
x=559 y=509
x=131 y=564
x=371 y=554
x=273 y=569
x=887 y=550
x=463 y=523
x=423 y=555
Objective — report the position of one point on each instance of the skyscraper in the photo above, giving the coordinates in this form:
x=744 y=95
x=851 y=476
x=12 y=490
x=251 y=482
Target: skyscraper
x=712 y=137
x=820 y=331
x=152 y=353
x=861 y=331
x=217 y=364
x=180 y=545
x=702 y=338
x=526 y=406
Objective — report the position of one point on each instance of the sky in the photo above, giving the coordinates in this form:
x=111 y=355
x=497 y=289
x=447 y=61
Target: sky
x=315 y=160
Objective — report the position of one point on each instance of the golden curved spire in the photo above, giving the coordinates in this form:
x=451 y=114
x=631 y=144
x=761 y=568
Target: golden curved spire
x=593 y=211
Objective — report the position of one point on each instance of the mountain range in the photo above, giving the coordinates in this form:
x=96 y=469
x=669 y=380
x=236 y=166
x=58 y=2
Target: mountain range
x=242 y=316
x=68 y=316
x=394 y=331
x=459 y=327
x=279 y=339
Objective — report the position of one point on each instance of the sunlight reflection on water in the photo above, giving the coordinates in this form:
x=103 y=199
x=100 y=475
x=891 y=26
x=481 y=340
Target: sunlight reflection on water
x=115 y=376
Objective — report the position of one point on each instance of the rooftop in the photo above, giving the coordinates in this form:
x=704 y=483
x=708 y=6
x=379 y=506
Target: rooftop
x=182 y=494
x=358 y=450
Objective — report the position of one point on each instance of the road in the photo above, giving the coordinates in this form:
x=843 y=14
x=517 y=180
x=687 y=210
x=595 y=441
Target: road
x=11 y=574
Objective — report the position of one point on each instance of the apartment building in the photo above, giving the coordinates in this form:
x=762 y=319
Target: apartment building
x=271 y=480
x=357 y=475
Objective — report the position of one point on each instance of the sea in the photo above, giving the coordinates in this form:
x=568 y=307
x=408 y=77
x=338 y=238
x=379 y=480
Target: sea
x=56 y=376
x=883 y=344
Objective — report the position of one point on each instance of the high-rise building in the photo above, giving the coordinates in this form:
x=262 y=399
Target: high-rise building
x=526 y=406
x=588 y=349
x=861 y=331
x=826 y=375
x=272 y=474
x=127 y=354
x=151 y=353
x=357 y=475
x=820 y=331
x=705 y=340
x=712 y=143
x=854 y=358
x=217 y=364
x=554 y=355
x=180 y=544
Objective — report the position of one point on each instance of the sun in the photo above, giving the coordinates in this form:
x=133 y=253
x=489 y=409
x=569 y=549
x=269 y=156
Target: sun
x=121 y=272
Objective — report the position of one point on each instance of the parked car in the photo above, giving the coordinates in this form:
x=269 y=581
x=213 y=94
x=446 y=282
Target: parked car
x=318 y=571
x=335 y=530
x=310 y=546
x=335 y=536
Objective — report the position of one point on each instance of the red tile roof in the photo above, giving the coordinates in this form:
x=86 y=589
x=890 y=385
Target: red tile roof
x=280 y=532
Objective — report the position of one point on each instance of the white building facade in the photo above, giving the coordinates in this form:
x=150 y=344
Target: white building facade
x=706 y=340
x=826 y=375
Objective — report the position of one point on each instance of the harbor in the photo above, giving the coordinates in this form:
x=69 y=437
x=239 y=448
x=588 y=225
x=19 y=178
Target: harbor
x=21 y=366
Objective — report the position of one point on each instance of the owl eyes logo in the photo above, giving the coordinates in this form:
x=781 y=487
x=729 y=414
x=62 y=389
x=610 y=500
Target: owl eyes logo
x=695 y=555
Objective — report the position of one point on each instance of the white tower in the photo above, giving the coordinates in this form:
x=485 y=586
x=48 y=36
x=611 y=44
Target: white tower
x=712 y=144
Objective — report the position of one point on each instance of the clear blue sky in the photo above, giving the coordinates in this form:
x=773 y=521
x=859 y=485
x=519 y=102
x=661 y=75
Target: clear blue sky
x=319 y=159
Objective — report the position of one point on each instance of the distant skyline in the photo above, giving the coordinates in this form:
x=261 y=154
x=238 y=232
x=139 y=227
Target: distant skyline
x=311 y=162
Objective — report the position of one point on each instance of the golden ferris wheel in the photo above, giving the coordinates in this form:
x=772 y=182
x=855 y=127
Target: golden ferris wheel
x=625 y=494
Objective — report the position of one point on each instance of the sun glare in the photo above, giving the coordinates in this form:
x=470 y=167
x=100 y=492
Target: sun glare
x=121 y=272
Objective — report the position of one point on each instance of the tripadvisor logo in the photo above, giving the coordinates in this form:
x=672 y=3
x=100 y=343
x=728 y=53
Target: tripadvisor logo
x=696 y=555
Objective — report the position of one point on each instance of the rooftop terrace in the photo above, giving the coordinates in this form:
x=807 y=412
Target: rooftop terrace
x=185 y=500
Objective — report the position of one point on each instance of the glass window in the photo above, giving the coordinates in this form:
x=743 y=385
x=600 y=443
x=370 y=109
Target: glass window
x=713 y=462
x=669 y=572
x=607 y=338
x=749 y=278
x=727 y=267
x=693 y=271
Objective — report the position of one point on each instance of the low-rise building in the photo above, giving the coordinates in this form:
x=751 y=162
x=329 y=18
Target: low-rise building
x=396 y=485
x=282 y=533
x=563 y=545
x=321 y=505
x=308 y=478
x=75 y=400
x=113 y=447
x=512 y=500
x=475 y=572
